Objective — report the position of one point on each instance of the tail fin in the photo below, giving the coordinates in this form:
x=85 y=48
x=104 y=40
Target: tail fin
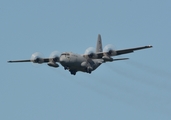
x=99 y=44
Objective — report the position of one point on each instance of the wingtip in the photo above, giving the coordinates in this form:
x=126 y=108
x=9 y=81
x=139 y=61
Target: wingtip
x=150 y=46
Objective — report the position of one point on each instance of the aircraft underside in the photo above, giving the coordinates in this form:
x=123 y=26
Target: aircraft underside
x=73 y=70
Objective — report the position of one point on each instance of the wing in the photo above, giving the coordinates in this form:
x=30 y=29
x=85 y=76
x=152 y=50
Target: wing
x=50 y=61
x=19 y=61
x=116 y=52
x=125 y=51
x=42 y=60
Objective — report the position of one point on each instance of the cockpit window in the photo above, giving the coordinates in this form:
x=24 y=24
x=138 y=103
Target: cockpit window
x=66 y=54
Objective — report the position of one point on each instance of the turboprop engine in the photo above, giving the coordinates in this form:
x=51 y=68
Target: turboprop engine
x=36 y=58
x=54 y=57
x=108 y=52
x=90 y=52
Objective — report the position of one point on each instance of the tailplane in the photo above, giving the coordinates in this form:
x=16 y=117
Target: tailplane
x=99 y=44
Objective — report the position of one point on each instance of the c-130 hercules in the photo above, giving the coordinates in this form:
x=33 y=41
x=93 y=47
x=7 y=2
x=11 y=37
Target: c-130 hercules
x=87 y=62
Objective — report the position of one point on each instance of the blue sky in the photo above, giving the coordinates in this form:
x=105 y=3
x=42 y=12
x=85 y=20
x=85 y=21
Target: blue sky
x=135 y=89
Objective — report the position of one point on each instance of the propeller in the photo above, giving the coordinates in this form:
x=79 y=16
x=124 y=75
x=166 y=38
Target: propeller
x=90 y=52
x=54 y=56
x=109 y=50
x=37 y=58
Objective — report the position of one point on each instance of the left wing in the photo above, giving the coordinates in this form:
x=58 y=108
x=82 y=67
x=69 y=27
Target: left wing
x=125 y=51
x=115 y=52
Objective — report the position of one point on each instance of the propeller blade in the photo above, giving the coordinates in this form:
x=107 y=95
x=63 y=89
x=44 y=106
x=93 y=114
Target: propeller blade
x=54 y=56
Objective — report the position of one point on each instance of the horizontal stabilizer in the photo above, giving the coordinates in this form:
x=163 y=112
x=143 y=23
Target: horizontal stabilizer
x=120 y=59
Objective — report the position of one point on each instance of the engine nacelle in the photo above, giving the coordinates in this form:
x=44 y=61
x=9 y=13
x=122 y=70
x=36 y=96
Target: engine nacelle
x=107 y=59
x=53 y=64
x=37 y=60
x=109 y=50
x=90 y=53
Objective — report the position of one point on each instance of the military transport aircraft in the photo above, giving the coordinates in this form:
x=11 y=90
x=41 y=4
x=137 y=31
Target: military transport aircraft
x=87 y=62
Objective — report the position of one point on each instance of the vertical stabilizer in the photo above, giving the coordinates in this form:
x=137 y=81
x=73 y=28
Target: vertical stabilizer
x=99 y=44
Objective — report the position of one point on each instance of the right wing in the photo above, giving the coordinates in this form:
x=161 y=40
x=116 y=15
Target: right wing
x=50 y=61
x=19 y=61
x=38 y=60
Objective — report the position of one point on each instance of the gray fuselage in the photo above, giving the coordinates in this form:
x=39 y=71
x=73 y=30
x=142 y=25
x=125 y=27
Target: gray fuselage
x=76 y=62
